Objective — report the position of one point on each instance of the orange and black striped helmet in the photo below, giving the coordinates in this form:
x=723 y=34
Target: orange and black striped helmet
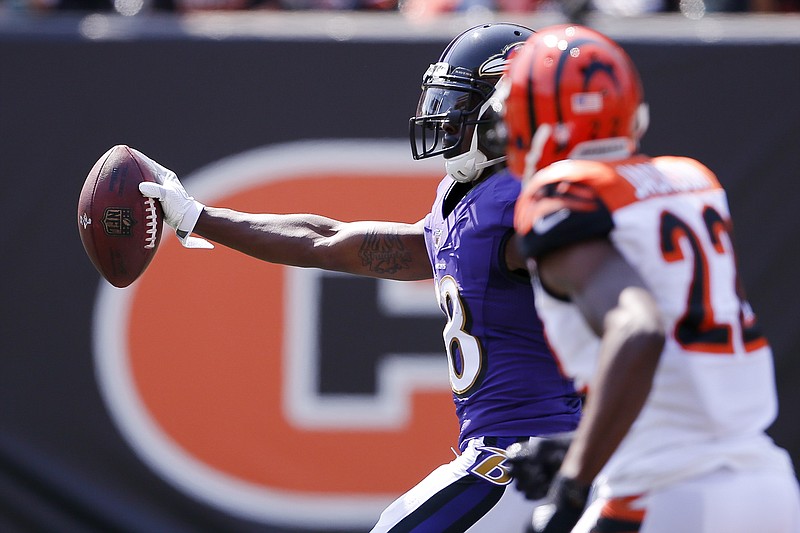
x=571 y=93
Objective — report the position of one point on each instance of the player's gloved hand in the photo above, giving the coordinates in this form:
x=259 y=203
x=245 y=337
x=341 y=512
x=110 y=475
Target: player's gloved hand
x=567 y=500
x=535 y=464
x=181 y=211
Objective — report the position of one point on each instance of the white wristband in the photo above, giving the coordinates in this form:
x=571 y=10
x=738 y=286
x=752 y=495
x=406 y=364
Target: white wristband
x=187 y=224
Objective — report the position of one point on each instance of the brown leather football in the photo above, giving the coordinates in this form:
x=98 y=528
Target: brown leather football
x=120 y=229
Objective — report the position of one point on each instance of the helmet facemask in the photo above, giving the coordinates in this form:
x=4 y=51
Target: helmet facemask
x=485 y=148
x=452 y=119
x=448 y=111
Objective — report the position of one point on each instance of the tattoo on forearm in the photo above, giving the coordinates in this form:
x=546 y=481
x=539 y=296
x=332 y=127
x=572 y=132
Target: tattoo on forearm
x=384 y=254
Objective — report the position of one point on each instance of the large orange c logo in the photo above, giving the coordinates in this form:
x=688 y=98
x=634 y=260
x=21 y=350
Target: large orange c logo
x=211 y=363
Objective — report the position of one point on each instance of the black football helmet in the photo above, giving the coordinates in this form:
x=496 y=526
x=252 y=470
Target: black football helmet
x=455 y=110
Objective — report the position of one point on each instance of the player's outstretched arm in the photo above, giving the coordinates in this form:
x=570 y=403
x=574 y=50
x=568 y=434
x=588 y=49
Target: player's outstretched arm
x=389 y=250
x=616 y=303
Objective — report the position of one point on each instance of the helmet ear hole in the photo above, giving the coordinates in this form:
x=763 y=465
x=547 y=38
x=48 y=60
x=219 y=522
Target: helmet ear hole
x=492 y=134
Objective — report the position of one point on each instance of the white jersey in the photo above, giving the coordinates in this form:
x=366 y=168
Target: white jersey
x=713 y=394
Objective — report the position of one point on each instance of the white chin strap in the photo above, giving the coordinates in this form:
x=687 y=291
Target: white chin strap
x=469 y=166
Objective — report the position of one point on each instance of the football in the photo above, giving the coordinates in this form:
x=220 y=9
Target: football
x=120 y=229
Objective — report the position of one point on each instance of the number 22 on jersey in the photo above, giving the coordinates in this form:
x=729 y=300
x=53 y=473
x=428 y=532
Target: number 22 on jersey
x=698 y=329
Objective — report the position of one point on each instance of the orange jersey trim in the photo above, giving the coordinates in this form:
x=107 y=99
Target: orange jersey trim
x=621 y=509
x=615 y=182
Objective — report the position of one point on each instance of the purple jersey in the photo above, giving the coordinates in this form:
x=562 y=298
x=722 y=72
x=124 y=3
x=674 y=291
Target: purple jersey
x=505 y=380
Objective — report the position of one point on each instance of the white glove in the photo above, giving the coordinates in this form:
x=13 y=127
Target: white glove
x=181 y=211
